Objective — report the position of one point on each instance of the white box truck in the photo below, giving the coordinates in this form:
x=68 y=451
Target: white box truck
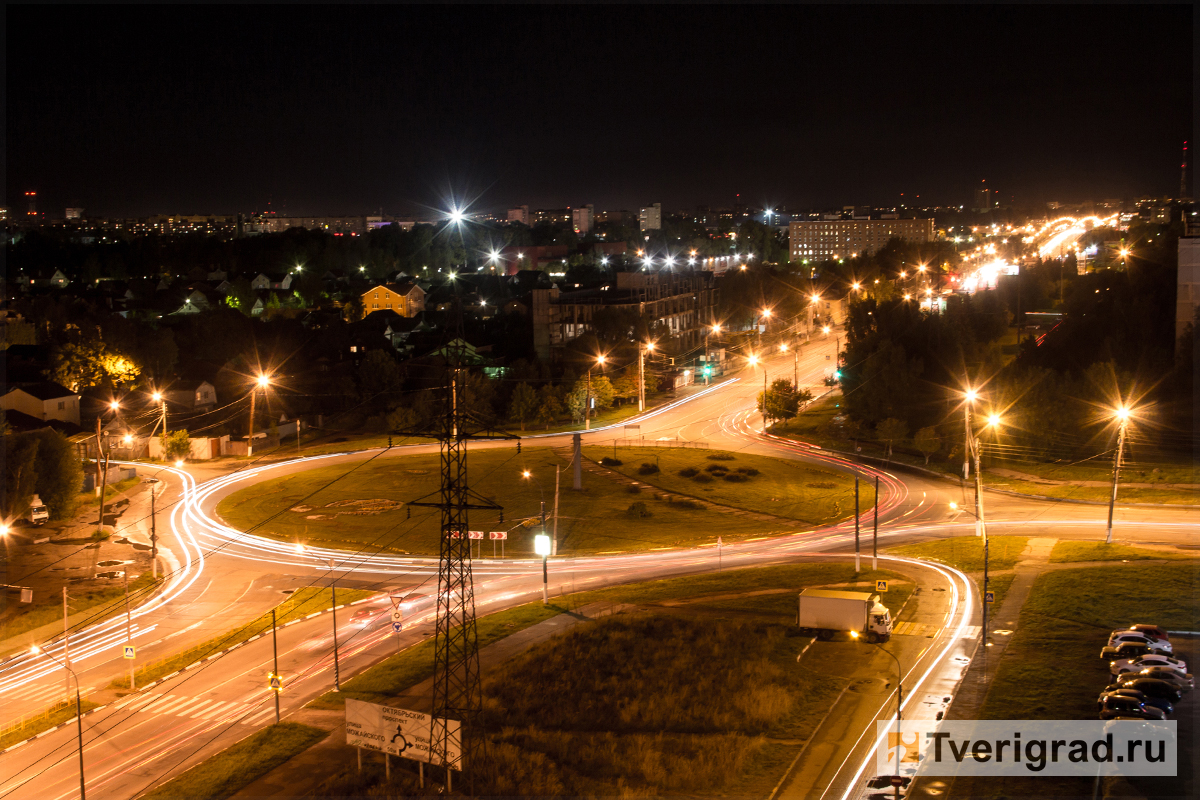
x=824 y=612
x=37 y=513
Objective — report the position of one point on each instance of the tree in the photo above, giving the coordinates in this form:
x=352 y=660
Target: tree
x=928 y=442
x=20 y=474
x=891 y=430
x=379 y=374
x=781 y=402
x=524 y=404
x=176 y=445
x=550 y=405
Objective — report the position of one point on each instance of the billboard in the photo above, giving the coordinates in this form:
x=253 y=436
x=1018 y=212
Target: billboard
x=399 y=732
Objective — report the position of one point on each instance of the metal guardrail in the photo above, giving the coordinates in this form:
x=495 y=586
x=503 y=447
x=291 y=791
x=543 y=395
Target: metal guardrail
x=26 y=720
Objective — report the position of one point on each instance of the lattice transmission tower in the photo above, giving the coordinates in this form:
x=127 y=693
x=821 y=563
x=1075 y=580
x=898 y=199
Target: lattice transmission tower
x=457 y=695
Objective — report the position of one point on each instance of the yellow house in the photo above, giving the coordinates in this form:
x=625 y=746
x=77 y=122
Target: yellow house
x=406 y=299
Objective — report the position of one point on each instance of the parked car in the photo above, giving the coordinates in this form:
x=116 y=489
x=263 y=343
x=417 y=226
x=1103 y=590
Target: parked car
x=1115 y=705
x=1154 y=687
x=1152 y=631
x=1129 y=650
x=1121 y=637
x=1149 y=660
x=1161 y=703
x=1183 y=679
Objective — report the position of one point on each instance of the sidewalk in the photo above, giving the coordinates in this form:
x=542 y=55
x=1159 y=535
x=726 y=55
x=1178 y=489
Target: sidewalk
x=301 y=775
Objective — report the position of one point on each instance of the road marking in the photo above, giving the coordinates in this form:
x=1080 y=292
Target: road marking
x=194 y=711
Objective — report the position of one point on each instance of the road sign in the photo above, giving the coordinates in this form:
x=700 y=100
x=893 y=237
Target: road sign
x=397 y=626
x=128 y=651
x=276 y=682
x=881 y=586
x=475 y=534
x=897 y=781
x=397 y=615
x=989 y=597
x=27 y=595
x=455 y=534
x=398 y=732
x=498 y=535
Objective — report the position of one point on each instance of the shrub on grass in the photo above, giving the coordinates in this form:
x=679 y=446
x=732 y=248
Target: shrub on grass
x=647 y=469
x=688 y=472
x=703 y=477
x=638 y=510
x=690 y=505
x=747 y=471
x=823 y=485
x=634 y=489
x=721 y=457
x=717 y=469
x=611 y=462
x=736 y=477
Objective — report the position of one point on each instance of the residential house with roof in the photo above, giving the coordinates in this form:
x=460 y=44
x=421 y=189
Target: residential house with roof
x=406 y=299
x=45 y=401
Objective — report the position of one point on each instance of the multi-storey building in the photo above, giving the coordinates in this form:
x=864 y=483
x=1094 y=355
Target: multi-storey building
x=406 y=299
x=650 y=217
x=679 y=304
x=581 y=219
x=843 y=238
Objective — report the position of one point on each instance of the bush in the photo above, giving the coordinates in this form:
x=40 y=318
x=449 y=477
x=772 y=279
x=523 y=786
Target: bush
x=751 y=471
x=703 y=477
x=721 y=457
x=611 y=462
x=638 y=510
x=690 y=505
x=736 y=477
x=647 y=469
x=45 y=463
x=634 y=489
x=716 y=469
x=823 y=485
x=689 y=472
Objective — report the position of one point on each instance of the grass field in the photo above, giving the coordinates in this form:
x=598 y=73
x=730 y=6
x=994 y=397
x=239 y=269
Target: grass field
x=1050 y=670
x=772 y=485
x=365 y=508
x=300 y=604
x=1066 y=552
x=18 y=730
x=966 y=552
x=103 y=602
x=228 y=771
x=415 y=664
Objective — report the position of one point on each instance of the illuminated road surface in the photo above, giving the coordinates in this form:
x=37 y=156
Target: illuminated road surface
x=149 y=736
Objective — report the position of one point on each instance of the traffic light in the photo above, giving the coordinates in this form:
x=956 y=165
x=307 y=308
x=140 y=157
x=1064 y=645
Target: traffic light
x=837 y=374
x=707 y=371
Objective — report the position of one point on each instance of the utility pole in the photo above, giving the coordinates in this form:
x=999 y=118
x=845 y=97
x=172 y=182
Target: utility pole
x=101 y=472
x=153 y=536
x=856 y=540
x=1112 y=500
x=250 y=436
x=129 y=629
x=641 y=381
x=875 y=532
x=337 y=682
x=66 y=641
x=554 y=541
x=275 y=656
x=796 y=367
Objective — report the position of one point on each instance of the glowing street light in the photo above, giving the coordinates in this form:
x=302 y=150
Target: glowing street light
x=261 y=382
x=1122 y=414
x=456 y=216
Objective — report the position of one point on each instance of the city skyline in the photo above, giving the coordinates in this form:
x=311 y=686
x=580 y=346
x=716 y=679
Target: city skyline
x=551 y=108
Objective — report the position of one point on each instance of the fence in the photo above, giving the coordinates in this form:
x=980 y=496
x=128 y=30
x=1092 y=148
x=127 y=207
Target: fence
x=28 y=720
x=659 y=443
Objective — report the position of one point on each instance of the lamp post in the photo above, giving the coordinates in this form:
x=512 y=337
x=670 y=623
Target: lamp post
x=899 y=700
x=158 y=397
x=795 y=364
x=541 y=542
x=970 y=396
x=973 y=442
x=1122 y=414
x=752 y=361
x=262 y=381
x=708 y=351
x=649 y=348
x=587 y=406
x=78 y=715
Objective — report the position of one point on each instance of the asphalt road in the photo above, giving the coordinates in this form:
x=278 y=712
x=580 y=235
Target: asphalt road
x=139 y=741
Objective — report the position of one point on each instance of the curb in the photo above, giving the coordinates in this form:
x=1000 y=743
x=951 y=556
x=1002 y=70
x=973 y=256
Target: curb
x=156 y=682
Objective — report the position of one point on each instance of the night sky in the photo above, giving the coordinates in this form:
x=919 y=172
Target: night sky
x=336 y=110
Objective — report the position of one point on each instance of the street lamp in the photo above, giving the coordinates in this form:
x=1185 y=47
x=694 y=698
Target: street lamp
x=649 y=348
x=716 y=328
x=261 y=382
x=158 y=397
x=587 y=408
x=899 y=701
x=754 y=359
x=1122 y=415
x=78 y=714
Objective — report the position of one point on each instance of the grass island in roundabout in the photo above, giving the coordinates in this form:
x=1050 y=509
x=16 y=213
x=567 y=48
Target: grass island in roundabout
x=365 y=506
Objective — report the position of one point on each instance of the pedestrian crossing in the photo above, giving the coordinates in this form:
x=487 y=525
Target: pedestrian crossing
x=42 y=694
x=187 y=707
x=914 y=629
